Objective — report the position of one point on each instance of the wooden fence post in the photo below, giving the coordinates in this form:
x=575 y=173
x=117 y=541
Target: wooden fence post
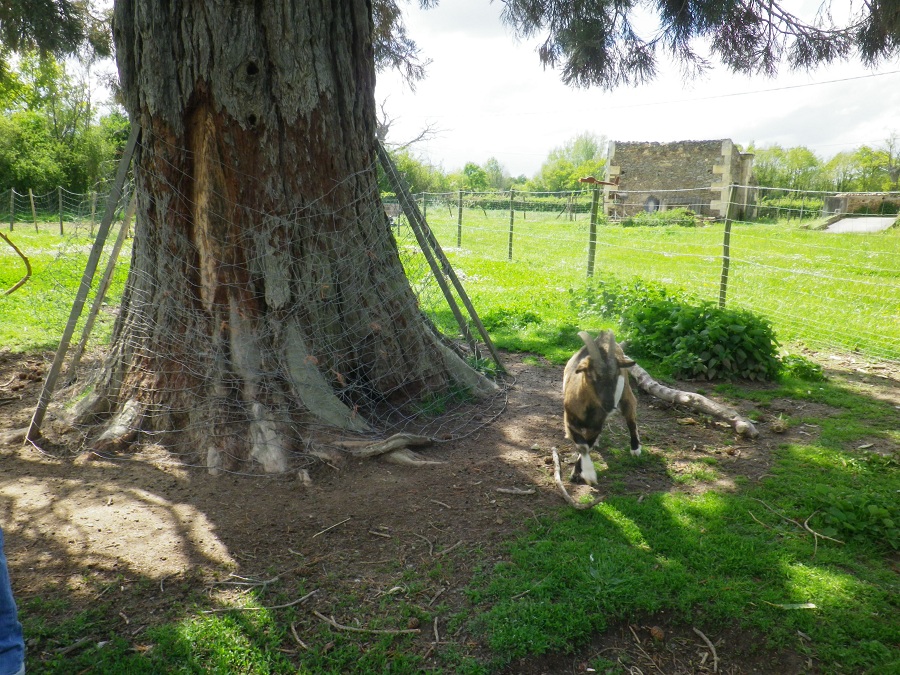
x=512 y=218
x=59 y=191
x=12 y=208
x=726 y=251
x=592 y=237
x=93 y=210
x=34 y=429
x=33 y=210
x=459 y=208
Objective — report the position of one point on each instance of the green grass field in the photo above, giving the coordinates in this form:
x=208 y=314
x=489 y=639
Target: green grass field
x=821 y=290
x=34 y=316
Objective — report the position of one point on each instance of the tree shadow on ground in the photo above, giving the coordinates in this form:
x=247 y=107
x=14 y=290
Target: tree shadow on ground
x=131 y=551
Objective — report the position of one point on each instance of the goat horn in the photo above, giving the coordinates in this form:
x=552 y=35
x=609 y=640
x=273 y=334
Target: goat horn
x=593 y=349
x=611 y=359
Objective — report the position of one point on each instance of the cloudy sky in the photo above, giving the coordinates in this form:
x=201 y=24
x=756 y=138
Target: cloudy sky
x=488 y=96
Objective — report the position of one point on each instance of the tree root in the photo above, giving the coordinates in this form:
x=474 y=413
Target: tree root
x=122 y=429
x=394 y=449
x=698 y=402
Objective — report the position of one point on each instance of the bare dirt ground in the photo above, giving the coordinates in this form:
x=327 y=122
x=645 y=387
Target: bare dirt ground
x=152 y=535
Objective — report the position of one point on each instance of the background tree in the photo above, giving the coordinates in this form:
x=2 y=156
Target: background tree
x=474 y=178
x=49 y=133
x=583 y=155
x=419 y=175
x=892 y=164
x=497 y=178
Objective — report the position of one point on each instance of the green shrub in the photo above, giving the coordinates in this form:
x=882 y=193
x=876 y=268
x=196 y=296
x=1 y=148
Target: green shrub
x=789 y=207
x=863 y=514
x=612 y=297
x=802 y=368
x=702 y=340
x=680 y=216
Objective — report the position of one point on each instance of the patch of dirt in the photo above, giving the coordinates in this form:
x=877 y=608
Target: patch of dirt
x=148 y=535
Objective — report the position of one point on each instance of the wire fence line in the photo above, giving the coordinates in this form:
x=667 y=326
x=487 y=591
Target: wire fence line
x=823 y=290
x=59 y=208
x=826 y=290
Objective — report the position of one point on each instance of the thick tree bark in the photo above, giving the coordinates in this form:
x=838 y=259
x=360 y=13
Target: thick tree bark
x=265 y=290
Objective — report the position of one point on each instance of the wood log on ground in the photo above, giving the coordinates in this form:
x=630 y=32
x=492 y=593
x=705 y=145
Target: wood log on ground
x=697 y=402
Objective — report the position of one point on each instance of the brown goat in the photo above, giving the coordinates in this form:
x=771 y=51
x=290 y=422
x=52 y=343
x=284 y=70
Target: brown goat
x=595 y=384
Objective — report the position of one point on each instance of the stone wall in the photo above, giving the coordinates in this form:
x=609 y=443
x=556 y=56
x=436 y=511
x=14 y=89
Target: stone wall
x=694 y=174
x=863 y=202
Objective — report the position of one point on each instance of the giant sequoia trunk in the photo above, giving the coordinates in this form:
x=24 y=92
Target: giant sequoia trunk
x=265 y=290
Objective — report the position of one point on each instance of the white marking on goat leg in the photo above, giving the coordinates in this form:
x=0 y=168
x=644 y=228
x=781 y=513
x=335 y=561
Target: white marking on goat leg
x=637 y=451
x=620 y=387
x=588 y=473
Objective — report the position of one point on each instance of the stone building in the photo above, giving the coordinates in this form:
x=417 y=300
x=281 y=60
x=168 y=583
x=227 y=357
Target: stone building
x=694 y=174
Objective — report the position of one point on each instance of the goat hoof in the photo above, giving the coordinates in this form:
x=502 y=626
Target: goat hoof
x=636 y=452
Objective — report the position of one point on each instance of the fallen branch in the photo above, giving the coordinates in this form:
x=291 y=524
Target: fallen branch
x=562 y=488
x=352 y=629
x=711 y=648
x=697 y=402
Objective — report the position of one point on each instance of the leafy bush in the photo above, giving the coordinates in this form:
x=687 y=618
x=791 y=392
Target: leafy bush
x=866 y=515
x=680 y=216
x=702 y=340
x=789 y=207
x=515 y=318
x=612 y=297
x=802 y=368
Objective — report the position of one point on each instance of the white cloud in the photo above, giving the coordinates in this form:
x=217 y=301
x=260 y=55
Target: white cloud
x=490 y=96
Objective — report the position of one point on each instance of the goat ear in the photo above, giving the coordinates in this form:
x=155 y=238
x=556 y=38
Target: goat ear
x=625 y=363
x=583 y=365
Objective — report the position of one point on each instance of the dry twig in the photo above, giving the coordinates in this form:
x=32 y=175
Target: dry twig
x=643 y=651
x=427 y=541
x=297 y=637
x=780 y=515
x=711 y=648
x=257 y=609
x=331 y=527
x=352 y=629
x=816 y=535
x=436 y=596
x=447 y=550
